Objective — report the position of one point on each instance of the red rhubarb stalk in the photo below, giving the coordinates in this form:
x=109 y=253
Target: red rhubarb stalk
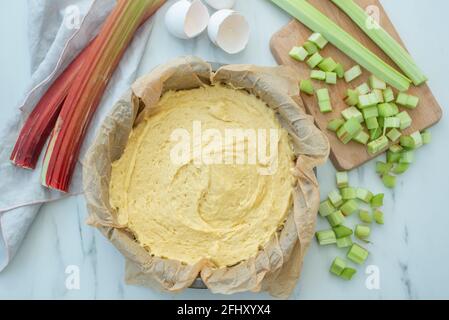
x=42 y=119
x=40 y=123
x=87 y=89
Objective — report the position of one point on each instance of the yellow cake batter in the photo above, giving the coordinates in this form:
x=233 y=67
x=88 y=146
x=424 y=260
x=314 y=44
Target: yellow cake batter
x=188 y=208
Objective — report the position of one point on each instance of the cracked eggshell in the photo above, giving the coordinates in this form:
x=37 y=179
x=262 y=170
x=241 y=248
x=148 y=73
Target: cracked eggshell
x=221 y=4
x=186 y=20
x=229 y=30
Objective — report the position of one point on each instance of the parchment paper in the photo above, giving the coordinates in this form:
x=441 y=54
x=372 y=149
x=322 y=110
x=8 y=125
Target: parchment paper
x=277 y=267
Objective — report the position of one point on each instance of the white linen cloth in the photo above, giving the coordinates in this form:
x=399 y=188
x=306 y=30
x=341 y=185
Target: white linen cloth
x=58 y=30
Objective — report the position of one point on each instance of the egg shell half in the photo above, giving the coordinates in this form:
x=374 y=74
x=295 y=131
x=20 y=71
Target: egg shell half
x=229 y=30
x=186 y=20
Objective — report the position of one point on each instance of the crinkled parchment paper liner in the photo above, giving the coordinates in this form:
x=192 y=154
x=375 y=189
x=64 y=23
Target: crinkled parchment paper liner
x=277 y=267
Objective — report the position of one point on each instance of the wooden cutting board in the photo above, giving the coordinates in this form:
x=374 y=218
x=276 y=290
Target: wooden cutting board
x=352 y=155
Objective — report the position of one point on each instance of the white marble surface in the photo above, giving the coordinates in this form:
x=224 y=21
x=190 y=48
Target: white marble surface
x=411 y=250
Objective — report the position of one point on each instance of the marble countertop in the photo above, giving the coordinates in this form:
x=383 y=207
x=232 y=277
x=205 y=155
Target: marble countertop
x=409 y=253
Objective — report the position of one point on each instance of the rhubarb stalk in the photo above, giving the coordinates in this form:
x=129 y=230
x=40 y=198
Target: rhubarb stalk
x=318 y=22
x=87 y=89
x=383 y=39
x=41 y=121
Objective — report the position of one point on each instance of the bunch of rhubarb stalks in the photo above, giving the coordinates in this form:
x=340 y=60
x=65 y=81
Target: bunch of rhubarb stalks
x=64 y=112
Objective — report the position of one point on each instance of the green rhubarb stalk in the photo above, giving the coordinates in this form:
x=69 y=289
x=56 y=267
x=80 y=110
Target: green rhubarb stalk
x=362 y=232
x=337 y=267
x=326 y=237
x=342 y=179
x=426 y=137
x=335 y=219
x=378 y=217
x=357 y=254
x=348 y=273
x=326 y=208
x=318 y=22
x=344 y=242
x=384 y=40
x=86 y=92
x=306 y=86
x=365 y=216
x=336 y=124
